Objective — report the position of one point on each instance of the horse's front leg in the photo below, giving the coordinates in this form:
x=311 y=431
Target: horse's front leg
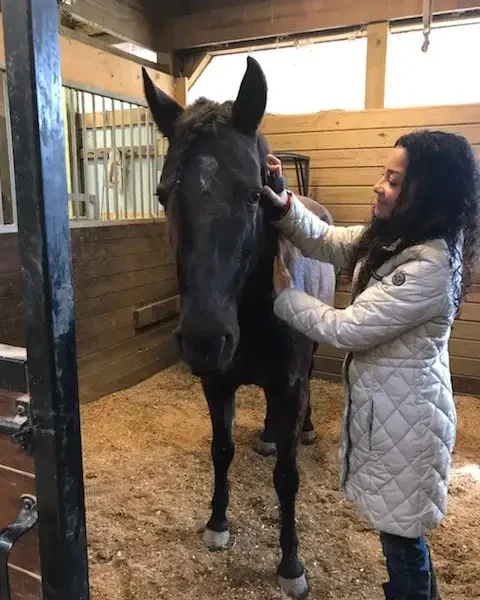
x=221 y=403
x=290 y=410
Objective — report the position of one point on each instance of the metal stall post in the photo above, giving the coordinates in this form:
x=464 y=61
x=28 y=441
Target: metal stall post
x=34 y=89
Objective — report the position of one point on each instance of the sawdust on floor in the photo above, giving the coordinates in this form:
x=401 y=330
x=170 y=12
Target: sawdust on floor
x=148 y=484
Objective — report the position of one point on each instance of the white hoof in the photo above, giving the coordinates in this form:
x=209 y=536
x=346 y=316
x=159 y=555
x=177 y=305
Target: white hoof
x=265 y=448
x=295 y=588
x=216 y=540
x=308 y=437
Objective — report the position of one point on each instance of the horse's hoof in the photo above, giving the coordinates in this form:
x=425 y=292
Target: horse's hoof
x=308 y=437
x=295 y=588
x=265 y=448
x=216 y=540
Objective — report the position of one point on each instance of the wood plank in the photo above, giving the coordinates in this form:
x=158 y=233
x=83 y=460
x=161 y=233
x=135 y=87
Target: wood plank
x=465 y=366
x=24 y=585
x=464 y=349
x=377 y=42
x=91 y=270
x=337 y=120
x=85 y=66
x=356 y=176
x=157 y=311
x=181 y=91
x=327 y=364
x=275 y=18
x=12 y=331
x=327 y=351
x=470 y=312
x=87 y=251
x=133 y=298
x=11 y=455
x=360 y=138
x=13 y=484
x=465 y=330
x=124 y=20
x=119 y=230
x=131 y=378
x=102 y=324
x=10 y=284
x=124 y=366
x=151 y=338
x=95 y=288
x=466 y=385
x=354 y=157
x=99 y=340
x=340 y=194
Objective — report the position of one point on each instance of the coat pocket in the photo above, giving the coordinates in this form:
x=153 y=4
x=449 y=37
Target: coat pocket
x=371 y=417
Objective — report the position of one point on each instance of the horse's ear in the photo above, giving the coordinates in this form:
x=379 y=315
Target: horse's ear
x=249 y=107
x=165 y=110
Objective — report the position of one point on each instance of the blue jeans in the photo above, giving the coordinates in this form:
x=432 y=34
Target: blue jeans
x=409 y=568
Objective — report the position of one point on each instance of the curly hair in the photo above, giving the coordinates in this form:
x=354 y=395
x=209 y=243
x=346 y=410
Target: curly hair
x=440 y=198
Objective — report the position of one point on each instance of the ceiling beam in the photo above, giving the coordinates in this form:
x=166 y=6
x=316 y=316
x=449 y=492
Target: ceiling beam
x=274 y=18
x=127 y=20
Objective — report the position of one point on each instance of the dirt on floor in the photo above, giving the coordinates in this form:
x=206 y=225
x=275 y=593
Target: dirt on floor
x=148 y=486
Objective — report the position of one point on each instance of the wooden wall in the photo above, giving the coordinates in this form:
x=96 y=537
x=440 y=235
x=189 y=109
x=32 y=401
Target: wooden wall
x=347 y=152
x=117 y=268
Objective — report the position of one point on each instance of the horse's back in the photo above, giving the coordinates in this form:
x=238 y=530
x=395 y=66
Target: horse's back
x=309 y=275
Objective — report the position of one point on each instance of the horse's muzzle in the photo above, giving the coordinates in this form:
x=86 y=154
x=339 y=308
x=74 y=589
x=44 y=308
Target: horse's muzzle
x=206 y=355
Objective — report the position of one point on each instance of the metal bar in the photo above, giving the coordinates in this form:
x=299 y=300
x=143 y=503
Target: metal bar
x=140 y=159
x=124 y=179
x=155 y=169
x=106 y=195
x=86 y=177
x=98 y=202
x=109 y=95
x=132 y=164
x=149 y=164
x=34 y=87
x=115 y=170
x=11 y=166
x=73 y=136
x=26 y=519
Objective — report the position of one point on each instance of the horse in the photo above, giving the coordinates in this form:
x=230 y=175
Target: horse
x=224 y=244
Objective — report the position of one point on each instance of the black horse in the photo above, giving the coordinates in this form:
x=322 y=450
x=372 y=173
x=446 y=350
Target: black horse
x=211 y=188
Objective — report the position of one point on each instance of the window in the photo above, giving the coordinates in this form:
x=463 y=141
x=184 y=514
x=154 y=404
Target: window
x=445 y=74
x=303 y=79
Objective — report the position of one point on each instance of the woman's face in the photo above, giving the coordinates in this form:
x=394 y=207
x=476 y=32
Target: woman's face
x=388 y=188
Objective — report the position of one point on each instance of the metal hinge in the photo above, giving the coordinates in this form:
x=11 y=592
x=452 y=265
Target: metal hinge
x=20 y=427
x=26 y=519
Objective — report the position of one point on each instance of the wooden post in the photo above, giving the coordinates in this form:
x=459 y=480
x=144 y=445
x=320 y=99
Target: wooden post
x=181 y=90
x=377 y=37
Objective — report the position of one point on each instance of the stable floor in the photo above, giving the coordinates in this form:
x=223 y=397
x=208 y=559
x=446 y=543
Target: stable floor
x=148 y=484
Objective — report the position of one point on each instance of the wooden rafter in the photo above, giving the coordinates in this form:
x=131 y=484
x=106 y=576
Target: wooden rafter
x=127 y=21
x=273 y=18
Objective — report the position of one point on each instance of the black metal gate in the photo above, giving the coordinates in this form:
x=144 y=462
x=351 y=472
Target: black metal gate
x=50 y=426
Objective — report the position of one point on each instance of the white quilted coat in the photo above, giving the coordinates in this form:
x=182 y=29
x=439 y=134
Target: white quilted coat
x=399 y=418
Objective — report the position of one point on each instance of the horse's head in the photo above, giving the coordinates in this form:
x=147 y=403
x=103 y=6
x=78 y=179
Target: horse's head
x=211 y=189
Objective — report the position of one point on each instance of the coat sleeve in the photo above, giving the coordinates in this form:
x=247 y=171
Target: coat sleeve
x=317 y=239
x=412 y=294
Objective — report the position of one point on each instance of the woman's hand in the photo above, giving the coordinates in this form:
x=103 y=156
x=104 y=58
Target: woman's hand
x=282 y=279
x=275 y=198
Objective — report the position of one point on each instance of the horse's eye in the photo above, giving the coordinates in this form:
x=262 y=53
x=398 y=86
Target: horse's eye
x=255 y=197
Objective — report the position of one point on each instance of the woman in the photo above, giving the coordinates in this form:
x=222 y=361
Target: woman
x=410 y=269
